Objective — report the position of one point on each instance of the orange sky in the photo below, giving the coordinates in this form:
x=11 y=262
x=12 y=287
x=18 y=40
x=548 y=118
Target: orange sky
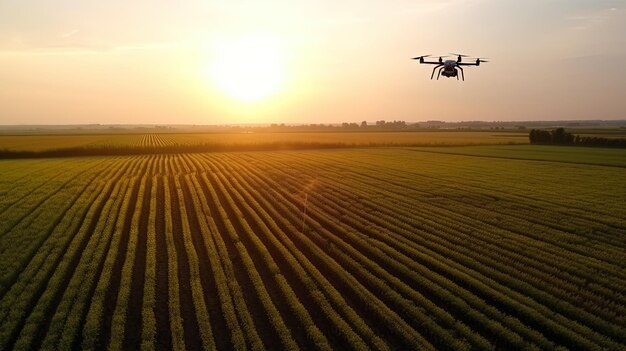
x=66 y=62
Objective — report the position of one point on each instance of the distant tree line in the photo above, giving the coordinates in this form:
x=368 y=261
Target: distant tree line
x=559 y=136
x=363 y=126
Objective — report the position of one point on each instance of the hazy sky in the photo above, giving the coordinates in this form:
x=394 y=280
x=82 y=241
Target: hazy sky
x=70 y=61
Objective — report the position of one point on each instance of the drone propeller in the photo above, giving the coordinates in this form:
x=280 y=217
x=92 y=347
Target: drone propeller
x=421 y=58
x=459 y=57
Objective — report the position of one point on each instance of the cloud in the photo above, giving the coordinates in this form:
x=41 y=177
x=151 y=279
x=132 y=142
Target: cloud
x=592 y=18
x=345 y=20
x=68 y=43
x=86 y=50
x=430 y=6
x=69 y=34
x=594 y=31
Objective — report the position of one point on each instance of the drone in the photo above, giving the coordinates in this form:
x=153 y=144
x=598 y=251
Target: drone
x=448 y=68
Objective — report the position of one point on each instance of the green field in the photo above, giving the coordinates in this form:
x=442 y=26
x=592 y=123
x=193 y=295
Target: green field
x=481 y=247
x=562 y=154
x=42 y=142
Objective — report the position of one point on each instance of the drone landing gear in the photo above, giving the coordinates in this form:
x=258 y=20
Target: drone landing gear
x=439 y=72
x=441 y=67
x=432 y=75
x=462 y=74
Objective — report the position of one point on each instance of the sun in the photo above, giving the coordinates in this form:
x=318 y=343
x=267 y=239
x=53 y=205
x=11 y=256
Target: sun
x=248 y=68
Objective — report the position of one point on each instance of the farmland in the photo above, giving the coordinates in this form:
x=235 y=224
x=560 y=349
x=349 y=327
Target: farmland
x=44 y=142
x=367 y=248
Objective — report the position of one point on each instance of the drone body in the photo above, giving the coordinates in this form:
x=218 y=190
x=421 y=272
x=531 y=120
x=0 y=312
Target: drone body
x=449 y=68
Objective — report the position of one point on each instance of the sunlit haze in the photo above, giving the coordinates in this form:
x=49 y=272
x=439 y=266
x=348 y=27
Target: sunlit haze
x=223 y=62
x=248 y=68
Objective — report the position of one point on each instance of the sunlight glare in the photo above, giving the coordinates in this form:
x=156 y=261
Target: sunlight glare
x=248 y=68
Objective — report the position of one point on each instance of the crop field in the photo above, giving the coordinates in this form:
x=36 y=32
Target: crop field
x=372 y=248
x=164 y=140
x=577 y=155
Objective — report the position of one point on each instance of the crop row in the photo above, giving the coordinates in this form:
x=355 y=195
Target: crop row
x=326 y=207
x=302 y=250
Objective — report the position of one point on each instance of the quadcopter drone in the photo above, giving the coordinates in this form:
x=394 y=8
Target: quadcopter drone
x=448 y=68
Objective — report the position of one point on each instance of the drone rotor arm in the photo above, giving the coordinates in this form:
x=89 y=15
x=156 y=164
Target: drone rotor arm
x=431 y=63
